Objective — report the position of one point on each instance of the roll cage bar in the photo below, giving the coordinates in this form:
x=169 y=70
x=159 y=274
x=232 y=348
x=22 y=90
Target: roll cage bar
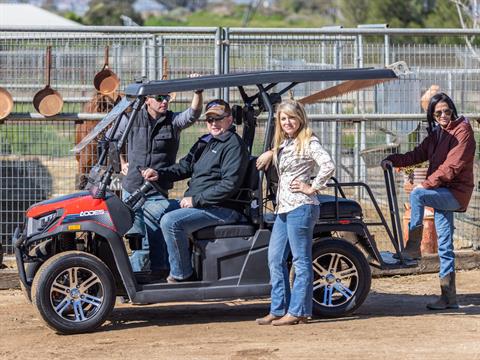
x=264 y=81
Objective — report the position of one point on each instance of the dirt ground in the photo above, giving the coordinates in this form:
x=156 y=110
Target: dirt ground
x=393 y=323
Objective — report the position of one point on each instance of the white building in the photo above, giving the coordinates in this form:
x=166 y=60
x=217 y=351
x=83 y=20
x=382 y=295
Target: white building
x=29 y=15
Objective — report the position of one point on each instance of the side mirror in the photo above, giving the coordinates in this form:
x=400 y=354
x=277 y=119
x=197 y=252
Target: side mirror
x=114 y=157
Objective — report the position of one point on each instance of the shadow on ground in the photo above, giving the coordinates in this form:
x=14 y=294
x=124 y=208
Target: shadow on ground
x=377 y=305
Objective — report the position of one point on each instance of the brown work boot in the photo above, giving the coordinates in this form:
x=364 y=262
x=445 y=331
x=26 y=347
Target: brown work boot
x=448 y=298
x=412 y=249
x=290 y=320
x=267 y=320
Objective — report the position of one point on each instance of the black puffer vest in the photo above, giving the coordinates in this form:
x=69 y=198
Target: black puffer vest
x=152 y=145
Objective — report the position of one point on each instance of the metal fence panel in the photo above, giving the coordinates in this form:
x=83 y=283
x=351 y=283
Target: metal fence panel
x=77 y=57
x=358 y=129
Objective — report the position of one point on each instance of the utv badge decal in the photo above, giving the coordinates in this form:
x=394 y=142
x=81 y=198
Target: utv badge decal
x=92 y=212
x=99 y=216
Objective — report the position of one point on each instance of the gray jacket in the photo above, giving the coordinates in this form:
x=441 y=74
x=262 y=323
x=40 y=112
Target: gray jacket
x=153 y=144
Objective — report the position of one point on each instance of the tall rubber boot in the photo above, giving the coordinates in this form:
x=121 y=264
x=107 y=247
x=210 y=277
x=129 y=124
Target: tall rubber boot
x=448 y=298
x=412 y=249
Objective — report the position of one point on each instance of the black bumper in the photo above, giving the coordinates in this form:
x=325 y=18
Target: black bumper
x=17 y=241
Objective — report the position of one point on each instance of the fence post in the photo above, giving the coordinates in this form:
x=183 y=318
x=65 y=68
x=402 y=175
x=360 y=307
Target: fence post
x=218 y=58
x=323 y=61
x=117 y=58
x=152 y=58
x=226 y=60
x=356 y=124
x=144 y=70
x=388 y=137
x=337 y=130
x=386 y=40
x=161 y=55
x=361 y=136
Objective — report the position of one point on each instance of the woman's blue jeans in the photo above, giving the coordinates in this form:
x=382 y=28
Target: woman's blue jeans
x=292 y=231
x=444 y=204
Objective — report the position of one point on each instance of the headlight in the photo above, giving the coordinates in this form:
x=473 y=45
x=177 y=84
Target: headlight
x=37 y=225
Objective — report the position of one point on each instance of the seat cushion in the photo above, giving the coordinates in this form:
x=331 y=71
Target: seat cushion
x=224 y=231
x=347 y=208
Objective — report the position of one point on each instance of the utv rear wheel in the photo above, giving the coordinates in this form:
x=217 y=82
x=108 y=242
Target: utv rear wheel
x=341 y=277
x=74 y=292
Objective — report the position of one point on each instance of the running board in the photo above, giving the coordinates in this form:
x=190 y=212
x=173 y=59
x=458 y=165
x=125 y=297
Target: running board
x=197 y=291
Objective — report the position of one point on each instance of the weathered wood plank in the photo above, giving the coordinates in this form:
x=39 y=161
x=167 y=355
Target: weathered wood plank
x=9 y=279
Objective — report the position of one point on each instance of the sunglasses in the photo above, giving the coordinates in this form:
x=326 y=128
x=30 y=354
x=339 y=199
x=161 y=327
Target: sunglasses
x=211 y=120
x=160 y=98
x=447 y=112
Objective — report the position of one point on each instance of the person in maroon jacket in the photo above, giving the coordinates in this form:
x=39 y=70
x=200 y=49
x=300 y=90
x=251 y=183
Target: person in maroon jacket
x=450 y=150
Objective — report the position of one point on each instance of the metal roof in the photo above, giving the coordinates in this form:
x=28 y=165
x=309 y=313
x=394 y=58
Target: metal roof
x=255 y=78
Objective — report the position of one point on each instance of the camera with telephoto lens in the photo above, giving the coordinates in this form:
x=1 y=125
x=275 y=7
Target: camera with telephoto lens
x=138 y=197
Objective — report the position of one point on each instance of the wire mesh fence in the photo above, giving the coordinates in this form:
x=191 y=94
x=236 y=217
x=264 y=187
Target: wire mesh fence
x=358 y=129
x=78 y=57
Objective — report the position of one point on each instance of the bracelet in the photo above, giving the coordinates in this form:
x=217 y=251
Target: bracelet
x=199 y=91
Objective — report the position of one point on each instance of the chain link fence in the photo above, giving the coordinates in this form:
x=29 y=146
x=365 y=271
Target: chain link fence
x=358 y=129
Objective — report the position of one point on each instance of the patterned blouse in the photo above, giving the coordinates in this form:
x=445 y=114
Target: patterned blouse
x=291 y=166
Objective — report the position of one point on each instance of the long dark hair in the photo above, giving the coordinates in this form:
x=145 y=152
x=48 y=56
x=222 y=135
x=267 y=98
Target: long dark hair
x=438 y=98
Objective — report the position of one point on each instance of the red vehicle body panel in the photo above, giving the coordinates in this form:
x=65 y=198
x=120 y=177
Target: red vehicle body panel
x=73 y=208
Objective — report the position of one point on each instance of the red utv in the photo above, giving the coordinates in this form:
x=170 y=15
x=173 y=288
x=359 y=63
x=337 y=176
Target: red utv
x=73 y=262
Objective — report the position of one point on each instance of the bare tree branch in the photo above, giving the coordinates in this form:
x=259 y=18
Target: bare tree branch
x=471 y=13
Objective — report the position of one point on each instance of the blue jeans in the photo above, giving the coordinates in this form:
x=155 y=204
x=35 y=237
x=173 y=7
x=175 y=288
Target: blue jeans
x=444 y=204
x=147 y=224
x=179 y=224
x=292 y=231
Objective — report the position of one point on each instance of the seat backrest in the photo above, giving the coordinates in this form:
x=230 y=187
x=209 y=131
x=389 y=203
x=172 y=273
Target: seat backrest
x=251 y=177
x=246 y=193
x=250 y=182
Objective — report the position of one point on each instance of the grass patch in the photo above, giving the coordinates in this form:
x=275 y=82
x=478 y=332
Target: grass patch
x=24 y=139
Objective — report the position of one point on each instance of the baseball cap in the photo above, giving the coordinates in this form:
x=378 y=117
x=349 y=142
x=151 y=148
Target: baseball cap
x=217 y=108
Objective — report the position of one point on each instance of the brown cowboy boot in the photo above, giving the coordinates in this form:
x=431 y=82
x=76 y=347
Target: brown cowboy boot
x=448 y=298
x=412 y=249
x=267 y=320
x=290 y=320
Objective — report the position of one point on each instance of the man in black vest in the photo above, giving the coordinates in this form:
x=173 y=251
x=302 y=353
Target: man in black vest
x=216 y=165
x=153 y=142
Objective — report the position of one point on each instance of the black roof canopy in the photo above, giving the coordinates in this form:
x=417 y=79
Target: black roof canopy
x=255 y=78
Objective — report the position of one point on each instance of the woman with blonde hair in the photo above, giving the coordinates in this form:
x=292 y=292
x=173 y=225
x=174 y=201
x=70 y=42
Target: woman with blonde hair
x=296 y=154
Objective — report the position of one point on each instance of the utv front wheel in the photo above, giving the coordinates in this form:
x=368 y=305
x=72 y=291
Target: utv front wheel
x=74 y=292
x=341 y=277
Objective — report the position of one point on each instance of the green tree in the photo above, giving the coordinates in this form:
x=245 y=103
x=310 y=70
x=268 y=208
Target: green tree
x=108 y=12
x=398 y=14
x=74 y=17
x=308 y=6
x=190 y=4
x=466 y=16
x=444 y=15
x=354 y=12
